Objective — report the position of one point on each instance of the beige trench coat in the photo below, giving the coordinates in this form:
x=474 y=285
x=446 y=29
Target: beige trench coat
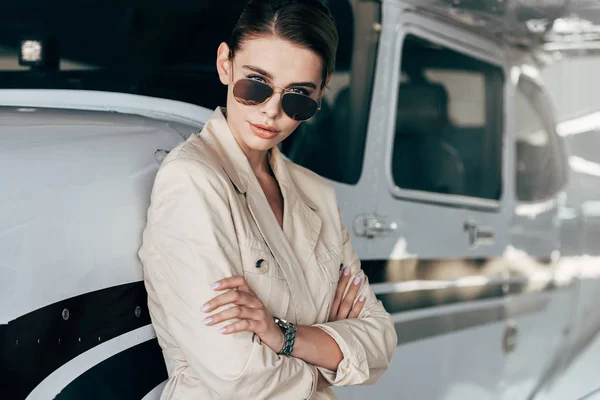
x=210 y=219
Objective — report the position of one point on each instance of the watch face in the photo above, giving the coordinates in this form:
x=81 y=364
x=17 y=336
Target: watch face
x=279 y=321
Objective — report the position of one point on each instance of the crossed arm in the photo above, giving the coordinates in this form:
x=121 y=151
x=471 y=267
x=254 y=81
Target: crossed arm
x=312 y=344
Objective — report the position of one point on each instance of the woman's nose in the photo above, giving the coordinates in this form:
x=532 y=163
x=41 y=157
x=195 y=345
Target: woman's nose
x=272 y=107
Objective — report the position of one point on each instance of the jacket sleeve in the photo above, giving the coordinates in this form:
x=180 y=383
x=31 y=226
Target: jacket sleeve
x=367 y=342
x=189 y=243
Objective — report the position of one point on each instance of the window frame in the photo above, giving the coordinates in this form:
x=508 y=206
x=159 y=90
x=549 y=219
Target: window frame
x=539 y=102
x=464 y=48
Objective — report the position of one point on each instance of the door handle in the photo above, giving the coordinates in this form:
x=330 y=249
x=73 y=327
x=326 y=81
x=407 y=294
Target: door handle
x=373 y=225
x=478 y=235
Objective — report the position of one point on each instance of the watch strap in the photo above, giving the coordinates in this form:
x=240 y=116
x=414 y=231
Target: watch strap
x=289 y=336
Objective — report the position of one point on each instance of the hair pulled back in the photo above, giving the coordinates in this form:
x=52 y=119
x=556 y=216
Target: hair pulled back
x=305 y=23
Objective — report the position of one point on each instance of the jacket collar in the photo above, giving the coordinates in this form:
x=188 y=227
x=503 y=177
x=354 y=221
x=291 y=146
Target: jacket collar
x=234 y=160
x=236 y=164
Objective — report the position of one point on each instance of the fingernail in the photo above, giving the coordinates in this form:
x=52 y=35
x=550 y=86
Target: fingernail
x=346 y=271
x=362 y=299
x=222 y=330
x=216 y=285
x=357 y=280
x=208 y=320
x=205 y=307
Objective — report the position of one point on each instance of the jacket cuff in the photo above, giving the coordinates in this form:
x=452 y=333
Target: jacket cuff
x=353 y=369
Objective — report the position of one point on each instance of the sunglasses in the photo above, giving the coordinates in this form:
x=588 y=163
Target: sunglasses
x=297 y=106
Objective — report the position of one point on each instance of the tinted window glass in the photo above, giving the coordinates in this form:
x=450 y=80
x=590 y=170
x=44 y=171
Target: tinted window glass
x=448 y=136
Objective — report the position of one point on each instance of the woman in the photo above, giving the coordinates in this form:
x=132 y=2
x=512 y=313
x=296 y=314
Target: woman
x=253 y=287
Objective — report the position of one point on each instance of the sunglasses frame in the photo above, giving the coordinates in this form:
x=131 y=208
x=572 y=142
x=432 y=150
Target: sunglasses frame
x=283 y=92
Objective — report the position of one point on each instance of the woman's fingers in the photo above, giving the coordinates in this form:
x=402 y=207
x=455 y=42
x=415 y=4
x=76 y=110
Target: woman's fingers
x=237 y=297
x=249 y=319
x=234 y=282
x=245 y=325
x=357 y=307
x=339 y=293
x=239 y=312
x=238 y=292
x=249 y=310
x=346 y=305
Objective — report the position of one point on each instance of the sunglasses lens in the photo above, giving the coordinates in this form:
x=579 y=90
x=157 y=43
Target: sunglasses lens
x=250 y=92
x=298 y=106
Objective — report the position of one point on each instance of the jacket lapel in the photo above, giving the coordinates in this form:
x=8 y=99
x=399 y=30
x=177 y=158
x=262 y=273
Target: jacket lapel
x=302 y=224
x=304 y=221
x=283 y=253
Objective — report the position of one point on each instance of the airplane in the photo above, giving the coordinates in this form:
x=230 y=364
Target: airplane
x=475 y=213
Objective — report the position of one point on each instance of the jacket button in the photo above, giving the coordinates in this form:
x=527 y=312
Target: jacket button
x=260 y=263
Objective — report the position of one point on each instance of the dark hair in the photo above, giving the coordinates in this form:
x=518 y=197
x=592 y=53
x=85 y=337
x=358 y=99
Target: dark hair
x=306 y=23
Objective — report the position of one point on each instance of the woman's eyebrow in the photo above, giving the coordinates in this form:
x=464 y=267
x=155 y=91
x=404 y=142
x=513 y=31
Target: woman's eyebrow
x=258 y=71
x=305 y=84
x=268 y=75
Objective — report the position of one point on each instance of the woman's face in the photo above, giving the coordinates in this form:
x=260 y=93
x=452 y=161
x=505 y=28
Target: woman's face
x=277 y=62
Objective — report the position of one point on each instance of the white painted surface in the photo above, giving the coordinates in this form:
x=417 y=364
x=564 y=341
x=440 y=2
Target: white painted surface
x=75 y=189
x=582 y=378
x=106 y=101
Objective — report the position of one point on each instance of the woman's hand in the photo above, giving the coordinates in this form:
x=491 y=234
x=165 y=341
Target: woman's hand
x=252 y=314
x=344 y=307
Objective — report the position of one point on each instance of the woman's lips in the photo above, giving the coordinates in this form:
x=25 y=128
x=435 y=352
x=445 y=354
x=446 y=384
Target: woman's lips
x=264 y=131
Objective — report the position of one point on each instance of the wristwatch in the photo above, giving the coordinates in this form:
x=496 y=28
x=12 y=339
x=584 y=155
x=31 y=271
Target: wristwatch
x=289 y=336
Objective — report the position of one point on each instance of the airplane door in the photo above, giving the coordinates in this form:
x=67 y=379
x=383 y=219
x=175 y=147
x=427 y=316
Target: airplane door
x=440 y=224
x=533 y=255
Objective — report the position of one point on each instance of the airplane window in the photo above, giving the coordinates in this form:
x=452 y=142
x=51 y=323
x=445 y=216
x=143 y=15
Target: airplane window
x=538 y=164
x=449 y=127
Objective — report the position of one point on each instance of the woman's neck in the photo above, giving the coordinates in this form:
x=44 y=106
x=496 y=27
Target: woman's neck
x=258 y=161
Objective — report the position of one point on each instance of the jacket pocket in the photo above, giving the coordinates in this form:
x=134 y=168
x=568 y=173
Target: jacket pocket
x=265 y=277
x=330 y=259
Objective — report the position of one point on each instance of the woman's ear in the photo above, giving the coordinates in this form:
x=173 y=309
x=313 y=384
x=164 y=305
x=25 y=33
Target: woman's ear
x=224 y=64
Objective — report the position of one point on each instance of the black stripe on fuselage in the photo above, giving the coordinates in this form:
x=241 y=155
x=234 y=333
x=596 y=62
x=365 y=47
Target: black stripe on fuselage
x=38 y=343
x=128 y=375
